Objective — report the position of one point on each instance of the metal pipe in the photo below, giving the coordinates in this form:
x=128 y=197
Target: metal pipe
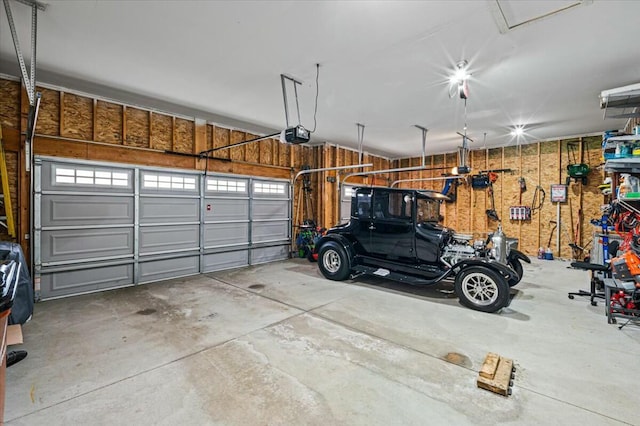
x=360 y=141
x=395 y=182
x=295 y=91
x=424 y=144
x=284 y=98
x=326 y=169
x=305 y=172
x=399 y=169
x=559 y=222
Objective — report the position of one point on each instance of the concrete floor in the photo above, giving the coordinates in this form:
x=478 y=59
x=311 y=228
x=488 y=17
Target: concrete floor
x=278 y=344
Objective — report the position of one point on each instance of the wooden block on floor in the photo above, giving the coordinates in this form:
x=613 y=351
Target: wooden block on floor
x=490 y=365
x=500 y=382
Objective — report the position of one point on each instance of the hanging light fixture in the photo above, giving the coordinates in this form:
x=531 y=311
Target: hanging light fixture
x=458 y=80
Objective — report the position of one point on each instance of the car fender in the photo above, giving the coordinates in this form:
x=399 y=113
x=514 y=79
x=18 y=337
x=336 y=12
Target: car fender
x=503 y=270
x=340 y=239
x=515 y=254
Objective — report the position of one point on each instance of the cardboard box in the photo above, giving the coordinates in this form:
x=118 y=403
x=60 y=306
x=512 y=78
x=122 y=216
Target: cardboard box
x=14 y=335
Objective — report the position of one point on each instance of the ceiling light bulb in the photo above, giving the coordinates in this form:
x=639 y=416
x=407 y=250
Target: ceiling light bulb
x=518 y=131
x=459 y=73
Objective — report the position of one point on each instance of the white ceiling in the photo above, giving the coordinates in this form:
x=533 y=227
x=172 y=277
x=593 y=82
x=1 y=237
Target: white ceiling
x=382 y=63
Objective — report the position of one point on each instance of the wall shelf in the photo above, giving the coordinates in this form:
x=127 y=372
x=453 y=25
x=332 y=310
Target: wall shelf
x=623 y=165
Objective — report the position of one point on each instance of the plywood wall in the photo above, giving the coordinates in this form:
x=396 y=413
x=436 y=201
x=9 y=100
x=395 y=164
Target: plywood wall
x=76 y=126
x=12 y=172
x=68 y=117
x=541 y=165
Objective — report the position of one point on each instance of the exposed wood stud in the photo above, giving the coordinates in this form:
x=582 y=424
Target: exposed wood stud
x=94 y=128
x=486 y=201
x=579 y=213
x=539 y=238
x=124 y=125
x=519 y=190
x=61 y=132
x=24 y=200
x=446 y=216
x=150 y=129
x=173 y=133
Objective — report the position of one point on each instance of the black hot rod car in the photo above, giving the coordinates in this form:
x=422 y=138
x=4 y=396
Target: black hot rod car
x=394 y=233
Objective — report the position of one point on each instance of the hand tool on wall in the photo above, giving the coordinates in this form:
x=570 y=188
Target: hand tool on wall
x=538 y=199
x=522 y=186
x=575 y=170
x=555 y=224
x=492 y=213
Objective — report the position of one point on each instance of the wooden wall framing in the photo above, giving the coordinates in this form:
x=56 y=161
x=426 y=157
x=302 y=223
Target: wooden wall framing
x=541 y=164
x=71 y=125
x=76 y=126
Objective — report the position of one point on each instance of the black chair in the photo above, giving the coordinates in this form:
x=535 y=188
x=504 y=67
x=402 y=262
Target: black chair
x=598 y=274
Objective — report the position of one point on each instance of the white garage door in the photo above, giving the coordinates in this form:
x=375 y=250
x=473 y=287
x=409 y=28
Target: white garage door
x=100 y=226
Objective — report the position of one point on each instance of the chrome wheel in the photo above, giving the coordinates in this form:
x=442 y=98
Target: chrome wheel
x=331 y=261
x=480 y=288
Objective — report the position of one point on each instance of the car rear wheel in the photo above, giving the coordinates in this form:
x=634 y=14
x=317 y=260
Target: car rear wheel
x=333 y=261
x=516 y=266
x=482 y=289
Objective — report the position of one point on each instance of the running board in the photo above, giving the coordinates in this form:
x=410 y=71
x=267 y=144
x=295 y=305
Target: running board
x=395 y=276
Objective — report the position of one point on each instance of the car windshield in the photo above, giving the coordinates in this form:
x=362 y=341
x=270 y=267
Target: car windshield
x=428 y=210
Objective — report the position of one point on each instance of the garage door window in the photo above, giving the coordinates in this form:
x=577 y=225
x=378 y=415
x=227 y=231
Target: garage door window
x=91 y=177
x=156 y=181
x=226 y=185
x=268 y=188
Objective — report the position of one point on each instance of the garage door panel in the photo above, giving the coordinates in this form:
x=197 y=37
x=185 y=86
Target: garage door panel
x=226 y=209
x=225 y=234
x=169 y=268
x=168 y=210
x=64 y=283
x=270 y=209
x=81 y=244
x=269 y=254
x=225 y=260
x=269 y=231
x=100 y=227
x=163 y=238
x=85 y=210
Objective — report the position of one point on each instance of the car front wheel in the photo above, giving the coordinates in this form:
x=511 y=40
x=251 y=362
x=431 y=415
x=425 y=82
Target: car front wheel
x=482 y=289
x=333 y=261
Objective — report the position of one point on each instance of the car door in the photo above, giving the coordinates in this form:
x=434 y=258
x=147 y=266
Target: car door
x=428 y=231
x=361 y=222
x=391 y=230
